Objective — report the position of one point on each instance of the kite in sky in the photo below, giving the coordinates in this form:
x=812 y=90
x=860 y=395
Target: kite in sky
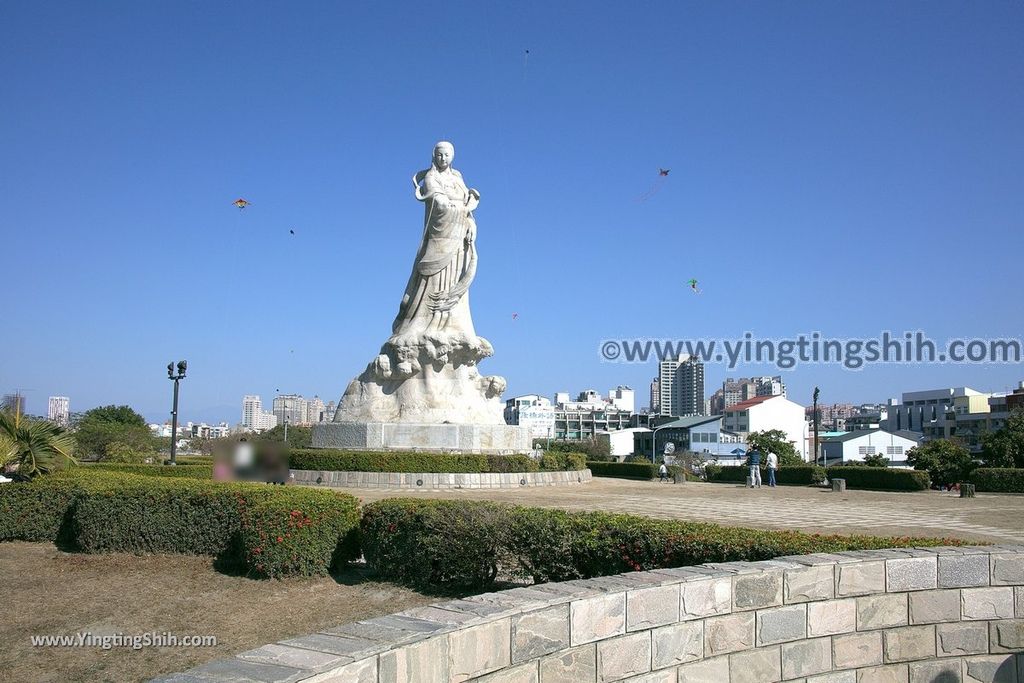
x=653 y=190
x=240 y=203
x=292 y=231
x=515 y=316
x=693 y=286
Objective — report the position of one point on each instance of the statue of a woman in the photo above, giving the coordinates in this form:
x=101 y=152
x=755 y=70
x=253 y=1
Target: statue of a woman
x=426 y=371
x=437 y=296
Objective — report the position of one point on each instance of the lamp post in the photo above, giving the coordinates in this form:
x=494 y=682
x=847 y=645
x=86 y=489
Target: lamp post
x=182 y=367
x=654 y=442
x=814 y=414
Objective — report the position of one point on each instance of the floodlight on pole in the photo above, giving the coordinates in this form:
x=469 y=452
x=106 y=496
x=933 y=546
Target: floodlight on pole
x=182 y=366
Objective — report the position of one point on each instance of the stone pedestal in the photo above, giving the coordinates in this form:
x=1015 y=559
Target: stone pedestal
x=406 y=436
x=839 y=485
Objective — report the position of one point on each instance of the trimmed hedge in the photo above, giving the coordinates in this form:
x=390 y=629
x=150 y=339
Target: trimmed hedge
x=630 y=470
x=396 y=461
x=194 y=459
x=142 y=515
x=795 y=475
x=296 y=533
x=880 y=478
x=197 y=471
x=998 y=479
x=240 y=524
x=461 y=544
x=37 y=510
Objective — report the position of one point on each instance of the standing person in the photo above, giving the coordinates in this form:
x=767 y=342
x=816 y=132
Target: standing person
x=662 y=473
x=773 y=464
x=755 y=468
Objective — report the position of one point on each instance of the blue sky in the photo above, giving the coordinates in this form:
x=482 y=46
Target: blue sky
x=842 y=167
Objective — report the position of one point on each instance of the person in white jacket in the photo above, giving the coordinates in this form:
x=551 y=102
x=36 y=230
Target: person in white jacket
x=773 y=464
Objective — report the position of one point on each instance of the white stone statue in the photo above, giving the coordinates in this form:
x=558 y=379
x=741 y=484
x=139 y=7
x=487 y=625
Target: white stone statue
x=426 y=371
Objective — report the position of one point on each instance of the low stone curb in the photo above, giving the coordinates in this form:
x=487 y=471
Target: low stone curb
x=440 y=481
x=912 y=615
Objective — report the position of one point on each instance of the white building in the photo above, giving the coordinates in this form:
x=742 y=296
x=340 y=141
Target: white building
x=267 y=420
x=769 y=386
x=163 y=431
x=621 y=441
x=701 y=434
x=534 y=412
x=855 y=446
x=769 y=412
x=315 y=411
x=59 y=411
x=681 y=386
x=588 y=415
x=919 y=410
x=205 y=431
x=623 y=398
x=252 y=408
x=290 y=408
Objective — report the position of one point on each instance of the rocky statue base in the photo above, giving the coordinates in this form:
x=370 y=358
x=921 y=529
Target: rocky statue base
x=406 y=436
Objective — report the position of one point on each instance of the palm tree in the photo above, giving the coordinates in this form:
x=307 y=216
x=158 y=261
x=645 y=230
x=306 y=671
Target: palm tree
x=35 y=446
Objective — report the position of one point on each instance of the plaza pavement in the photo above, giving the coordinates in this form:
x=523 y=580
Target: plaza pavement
x=989 y=517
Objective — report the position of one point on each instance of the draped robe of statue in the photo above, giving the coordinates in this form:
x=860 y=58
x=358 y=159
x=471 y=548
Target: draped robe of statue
x=426 y=372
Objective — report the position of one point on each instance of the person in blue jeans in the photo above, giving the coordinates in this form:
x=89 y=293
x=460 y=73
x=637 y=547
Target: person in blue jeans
x=755 y=468
x=773 y=464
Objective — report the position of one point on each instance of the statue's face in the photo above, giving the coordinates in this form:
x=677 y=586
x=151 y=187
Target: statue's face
x=443 y=155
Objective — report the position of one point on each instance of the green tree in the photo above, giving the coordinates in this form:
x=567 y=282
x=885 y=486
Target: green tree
x=774 y=441
x=205 y=445
x=100 y=428
x=947 y=461
x=876 y=460
x=34 y=446
x=1005 y=447
x=122 y=452
x=122 y=415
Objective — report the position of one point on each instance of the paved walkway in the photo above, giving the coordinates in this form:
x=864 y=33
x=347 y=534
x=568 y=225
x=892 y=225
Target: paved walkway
x=989 y=517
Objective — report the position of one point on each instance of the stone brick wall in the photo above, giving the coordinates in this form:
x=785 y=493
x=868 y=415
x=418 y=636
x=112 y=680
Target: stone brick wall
x=392 y=480
x=935 y=615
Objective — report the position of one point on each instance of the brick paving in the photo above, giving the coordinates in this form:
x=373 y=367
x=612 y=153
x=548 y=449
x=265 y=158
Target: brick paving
x=989 y=517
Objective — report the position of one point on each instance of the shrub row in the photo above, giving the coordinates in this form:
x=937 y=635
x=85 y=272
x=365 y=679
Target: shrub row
x=629 y=470
x=880 y=478
x=998 y=479
x=461 y=544
x=377 y=461
x=197 y=471
x=797 y=475
x=268 y=531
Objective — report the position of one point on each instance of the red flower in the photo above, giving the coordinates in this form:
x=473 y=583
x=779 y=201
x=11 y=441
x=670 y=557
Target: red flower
x=279 y=539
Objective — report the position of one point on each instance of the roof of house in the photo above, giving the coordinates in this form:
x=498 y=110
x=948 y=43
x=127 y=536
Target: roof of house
x=690 y=421
x=743 y=405
x=911 y=436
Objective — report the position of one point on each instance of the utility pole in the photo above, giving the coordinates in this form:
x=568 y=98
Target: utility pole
x=815 y=415
x=182 y=366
